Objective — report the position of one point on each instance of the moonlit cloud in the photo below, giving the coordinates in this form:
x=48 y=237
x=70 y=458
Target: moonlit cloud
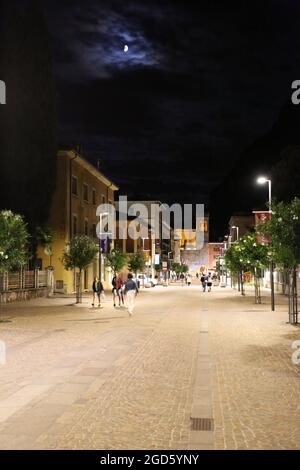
x=96 y=41
x=199 y=83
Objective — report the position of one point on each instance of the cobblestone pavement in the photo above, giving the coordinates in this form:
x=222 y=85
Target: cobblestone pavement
x=83 y=378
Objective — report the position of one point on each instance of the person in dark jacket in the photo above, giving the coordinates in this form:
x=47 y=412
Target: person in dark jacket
x=117 y=290
x=130 y=291
x=203 y=282
x=97 y=291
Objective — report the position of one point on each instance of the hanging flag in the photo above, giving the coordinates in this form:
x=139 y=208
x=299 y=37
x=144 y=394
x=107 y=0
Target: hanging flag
x=260 y=217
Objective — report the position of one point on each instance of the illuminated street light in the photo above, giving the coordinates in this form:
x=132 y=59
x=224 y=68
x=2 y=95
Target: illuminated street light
x=264 y=180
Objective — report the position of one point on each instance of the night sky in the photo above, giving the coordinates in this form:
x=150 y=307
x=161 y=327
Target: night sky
x=197 y=86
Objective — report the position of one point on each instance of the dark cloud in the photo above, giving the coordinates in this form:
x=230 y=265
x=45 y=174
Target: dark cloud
x=199 y=83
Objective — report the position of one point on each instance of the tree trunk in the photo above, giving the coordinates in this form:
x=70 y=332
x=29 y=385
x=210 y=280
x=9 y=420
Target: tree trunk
x=293 y=297
x=78 y=289
x=242 y=283
x=285 y=281
x=257 y=288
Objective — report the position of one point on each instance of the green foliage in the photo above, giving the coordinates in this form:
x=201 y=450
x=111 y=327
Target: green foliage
x=180 y=268
x=184 y=268
x=13 y=241
x=44 y=237
x=116 y=260
x=176 y=267
x=219 y=268
x=79 y=253
x=284 y=232
x=247 y=255
x=137 y=262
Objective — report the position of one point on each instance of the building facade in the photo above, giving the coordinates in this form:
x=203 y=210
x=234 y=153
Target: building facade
x=80 y=189
x=196 y=259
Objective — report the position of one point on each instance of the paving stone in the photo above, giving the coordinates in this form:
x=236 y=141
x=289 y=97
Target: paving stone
x=134 y=384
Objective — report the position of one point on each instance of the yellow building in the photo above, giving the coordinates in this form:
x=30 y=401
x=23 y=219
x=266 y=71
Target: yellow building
x=188 y=237
x=80 y=189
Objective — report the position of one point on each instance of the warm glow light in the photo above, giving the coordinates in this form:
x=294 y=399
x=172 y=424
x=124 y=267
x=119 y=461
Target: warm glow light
x=262 y=180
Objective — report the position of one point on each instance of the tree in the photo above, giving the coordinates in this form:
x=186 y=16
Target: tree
x=79 y=254
x=248 y=255
x=137 y=262
x=14 y=241
x=44 y=237
x=116 y=260
x=184 y=268
x=283 y=229
x=176 y=267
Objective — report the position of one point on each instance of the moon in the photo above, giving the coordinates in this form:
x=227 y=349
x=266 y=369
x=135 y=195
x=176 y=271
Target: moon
x=126 y=48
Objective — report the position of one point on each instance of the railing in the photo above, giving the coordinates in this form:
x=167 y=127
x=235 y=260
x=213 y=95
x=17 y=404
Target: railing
x=23 y=280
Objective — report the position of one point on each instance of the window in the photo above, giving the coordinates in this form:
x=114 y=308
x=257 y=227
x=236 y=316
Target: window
x=103 y=199
x=86 y=227
x=85 y=192
x=94 y=230
x=74 y=186
x=74 y=225
x=94 y=197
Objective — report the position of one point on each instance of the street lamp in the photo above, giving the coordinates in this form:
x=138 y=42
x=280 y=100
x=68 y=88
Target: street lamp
x=240 y=277
x=264 y=180
x=102 y=214
x=143 y=240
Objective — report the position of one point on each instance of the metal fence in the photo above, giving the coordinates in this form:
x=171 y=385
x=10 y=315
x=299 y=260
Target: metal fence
x=23 y=280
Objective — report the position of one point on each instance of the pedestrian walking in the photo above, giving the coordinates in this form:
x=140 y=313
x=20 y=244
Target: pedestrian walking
x=203 y=282
x=209 y=282
x=119 y=290
x=130 y=291
x=182 y=277
x=114 y=289
x=189 y=279
x=98 y=289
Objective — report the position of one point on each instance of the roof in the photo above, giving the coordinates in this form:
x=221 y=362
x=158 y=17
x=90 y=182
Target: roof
x=72 y=155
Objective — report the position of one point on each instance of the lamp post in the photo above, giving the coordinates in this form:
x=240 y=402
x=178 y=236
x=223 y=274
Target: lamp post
x=264 y=180
x=143 y=240
x=103 y=214
x=240 y=275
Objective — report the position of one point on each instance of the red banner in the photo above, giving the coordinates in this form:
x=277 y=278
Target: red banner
x=262 y=216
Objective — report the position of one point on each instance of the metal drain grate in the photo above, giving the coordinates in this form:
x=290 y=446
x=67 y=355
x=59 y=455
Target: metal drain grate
x=202 y=424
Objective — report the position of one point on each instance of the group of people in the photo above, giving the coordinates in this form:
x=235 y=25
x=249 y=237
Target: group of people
x=120 y=291
x=207 y=282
